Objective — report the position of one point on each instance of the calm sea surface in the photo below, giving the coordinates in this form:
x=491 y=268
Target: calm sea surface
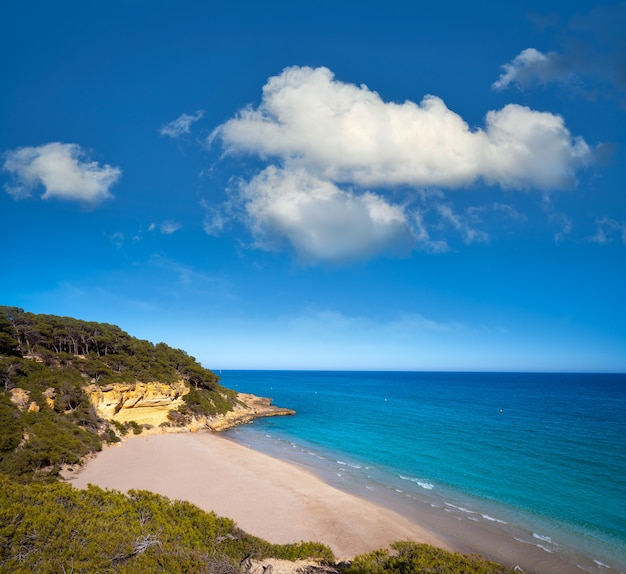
x=537 y=458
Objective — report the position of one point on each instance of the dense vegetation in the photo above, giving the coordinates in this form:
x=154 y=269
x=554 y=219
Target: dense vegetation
x=47 y=421
x=47 y=360
x=102 y=352
x=57 y=528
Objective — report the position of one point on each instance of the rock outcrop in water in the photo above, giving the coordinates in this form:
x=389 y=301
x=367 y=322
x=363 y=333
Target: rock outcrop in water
x=250 y=408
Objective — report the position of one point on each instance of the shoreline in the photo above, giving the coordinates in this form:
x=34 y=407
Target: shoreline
x=283 y=500
x=471 y=527
x=267 y=497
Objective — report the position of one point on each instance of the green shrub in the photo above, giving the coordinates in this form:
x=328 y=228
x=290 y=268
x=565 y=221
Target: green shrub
x=56 y=528
x=415 y=558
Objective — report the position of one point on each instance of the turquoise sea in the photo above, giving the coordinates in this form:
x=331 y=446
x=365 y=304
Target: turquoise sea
x=525 y=468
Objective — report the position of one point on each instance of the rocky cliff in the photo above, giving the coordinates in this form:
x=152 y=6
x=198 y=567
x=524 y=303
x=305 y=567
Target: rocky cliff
x=150 y=404
x=144 y=403
x=250 y=408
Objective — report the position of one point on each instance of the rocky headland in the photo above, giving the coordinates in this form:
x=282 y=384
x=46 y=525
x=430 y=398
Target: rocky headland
x=151 y=404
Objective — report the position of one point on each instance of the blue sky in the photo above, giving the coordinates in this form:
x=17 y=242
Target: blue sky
x=322 y=185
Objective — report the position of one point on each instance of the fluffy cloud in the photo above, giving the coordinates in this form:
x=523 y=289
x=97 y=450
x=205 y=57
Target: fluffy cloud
x=532 y=67
x=181 y=125
x=60 y=168
x=335 y=152
x=347 y=134
x=320 y=220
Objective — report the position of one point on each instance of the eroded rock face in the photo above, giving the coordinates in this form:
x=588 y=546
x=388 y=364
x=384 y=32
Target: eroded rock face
x=150 y=404
x=144 y=403
x=20 y=398
x=50 y=394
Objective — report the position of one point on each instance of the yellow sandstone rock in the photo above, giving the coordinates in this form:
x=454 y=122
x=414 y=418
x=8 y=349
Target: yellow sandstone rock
x=49 y=394
x=144 y=403
x=20 y=398
x=150 y=403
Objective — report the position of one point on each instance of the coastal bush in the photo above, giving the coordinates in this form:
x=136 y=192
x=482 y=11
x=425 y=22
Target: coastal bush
x=207 y=402
x=304 y=551
x=123 y=428
x=47 y=442
x=415 y=558
x=57 y=528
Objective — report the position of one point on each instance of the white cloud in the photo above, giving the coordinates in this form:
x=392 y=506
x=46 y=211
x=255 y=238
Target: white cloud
x=461 y=224
x=60 y=168
x=214 y=218
x=531 y=67
x=509 y=211
x=347 y=134
x=336 y=155
x=422 y=236
x=530 y=149
x=166 y=227
x=181 y=125
x=320 y=220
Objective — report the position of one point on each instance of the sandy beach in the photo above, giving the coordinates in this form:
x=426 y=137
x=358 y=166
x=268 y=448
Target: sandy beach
x=267 y=497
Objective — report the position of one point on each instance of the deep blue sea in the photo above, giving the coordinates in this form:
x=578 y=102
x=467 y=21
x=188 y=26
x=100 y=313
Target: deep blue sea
x=537 y=458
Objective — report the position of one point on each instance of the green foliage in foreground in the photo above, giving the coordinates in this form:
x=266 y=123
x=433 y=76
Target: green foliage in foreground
x=414 y=558
x=57 y=528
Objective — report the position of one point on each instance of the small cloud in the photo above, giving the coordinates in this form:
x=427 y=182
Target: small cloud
x=169 y=227
x=63 y=170
x=214 y=219
x=181 y=125
x=590 y=61
x=531 y=67
x=461 y=224
x=117 y=239
x=561 y=220
x=609 y=230
x=423 y=239
x=183 y=274
x=509 y=211
x=166 y=227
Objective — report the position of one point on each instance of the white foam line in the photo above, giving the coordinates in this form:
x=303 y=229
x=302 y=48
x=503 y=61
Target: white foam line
x=492 y=519
x=544 y=548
